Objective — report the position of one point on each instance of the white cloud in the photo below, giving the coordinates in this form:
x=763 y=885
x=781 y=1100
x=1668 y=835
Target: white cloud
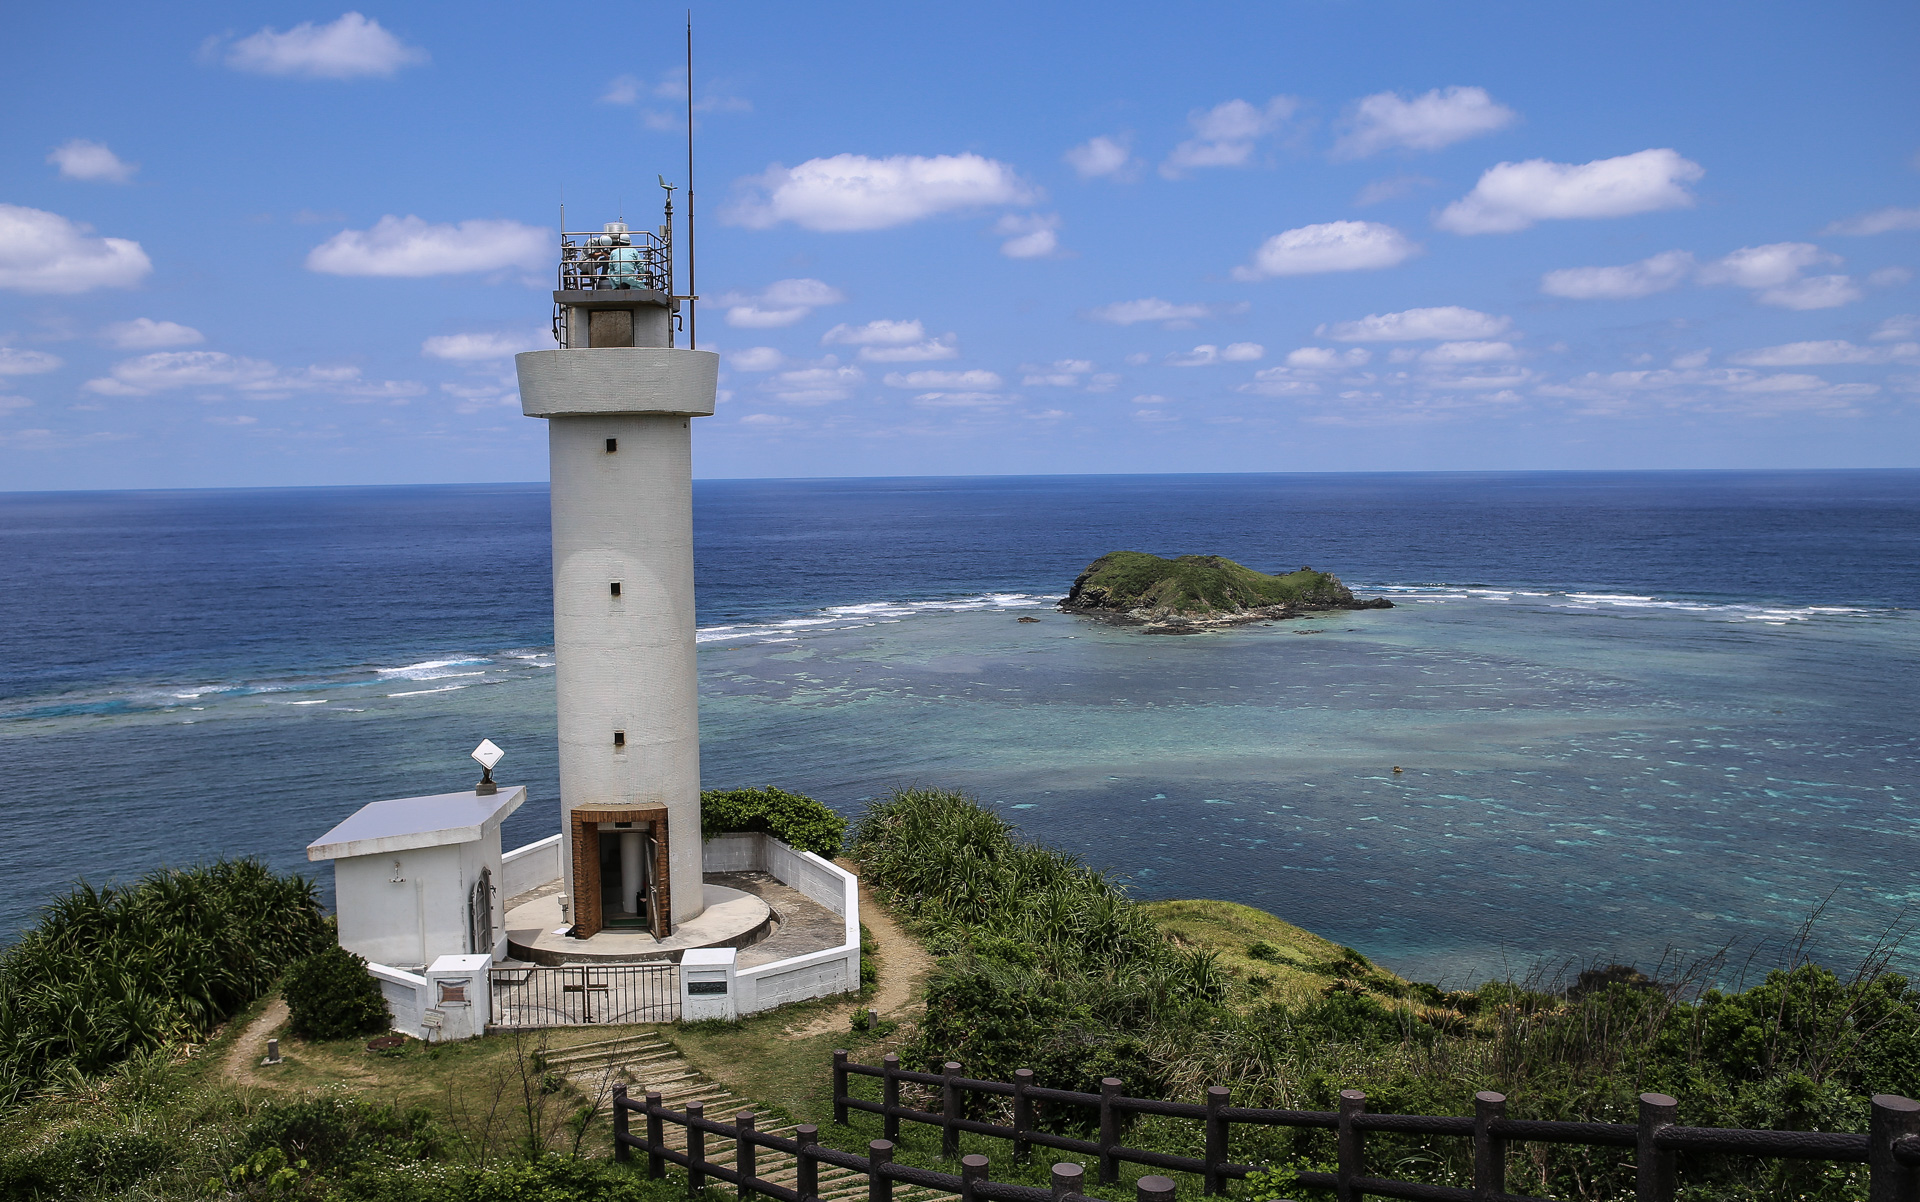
x=1469 y=352
x=622 y=89
x=1832 y=351
x=1104 y=158
x=410 y=247
x=853 y=192
x=1880 y=221
x=1061 y=373
x=961 y=400
x=91 y=161
x=875 y=333
x=10 y=403
x=971 y=381
x=15 y=361
x=1814 y=292
x=1887 y=277
x=1207 y=354
x=1224 y=135
x=755 y=358
x=780 y=303
x=1900 y=325
x=146 y=334
x=469 y=347
x=1765 y=266
x=1512 y=196
x=817 y=385
x=1029 y=235
x=166 y=371
x=44 y=252
x=1152 y=308
x=1658 y=273
x=352 y=46
x=1450 y=322
x=944 y=347
x=1693 y=358
x=1331 y=246
x=1321 y=358
x=1278 y=381
x=1427 y=122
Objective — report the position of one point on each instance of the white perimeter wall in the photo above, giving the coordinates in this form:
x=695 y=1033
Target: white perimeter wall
x=530 y=867
x=797 y=978
x=406 y=995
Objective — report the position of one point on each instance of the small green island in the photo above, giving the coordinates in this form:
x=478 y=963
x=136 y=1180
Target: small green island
x=1201 y=592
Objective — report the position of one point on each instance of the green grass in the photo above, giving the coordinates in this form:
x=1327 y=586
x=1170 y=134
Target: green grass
x=1196 y=584
x=1279 y=962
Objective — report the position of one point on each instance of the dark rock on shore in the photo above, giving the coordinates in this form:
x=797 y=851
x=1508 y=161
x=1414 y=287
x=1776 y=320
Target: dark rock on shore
x=1201 y=592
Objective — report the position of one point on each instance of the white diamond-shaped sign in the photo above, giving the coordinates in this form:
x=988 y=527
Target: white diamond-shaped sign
x=488 y=754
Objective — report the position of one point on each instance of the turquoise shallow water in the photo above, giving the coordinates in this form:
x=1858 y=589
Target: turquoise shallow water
x=1606 y=750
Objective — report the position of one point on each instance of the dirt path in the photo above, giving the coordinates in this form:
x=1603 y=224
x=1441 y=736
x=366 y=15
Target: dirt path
x=250 y=1046
x=904 y=967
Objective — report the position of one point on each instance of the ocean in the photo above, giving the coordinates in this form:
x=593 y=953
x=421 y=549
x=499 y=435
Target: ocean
x=1633 y=714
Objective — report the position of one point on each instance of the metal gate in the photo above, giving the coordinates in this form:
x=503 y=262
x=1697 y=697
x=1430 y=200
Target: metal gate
x=572 y=994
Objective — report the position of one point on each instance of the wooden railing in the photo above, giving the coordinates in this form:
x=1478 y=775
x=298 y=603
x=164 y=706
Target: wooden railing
x=1890 y=1149
x=971 y=1183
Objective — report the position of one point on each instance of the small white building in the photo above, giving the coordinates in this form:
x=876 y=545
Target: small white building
x=418 y=878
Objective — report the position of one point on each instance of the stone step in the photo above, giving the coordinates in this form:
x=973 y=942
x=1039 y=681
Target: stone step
x=624 y=1041
x=624 y=1055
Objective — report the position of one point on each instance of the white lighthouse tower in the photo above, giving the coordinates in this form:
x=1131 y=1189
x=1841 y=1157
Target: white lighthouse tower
x=619 y=399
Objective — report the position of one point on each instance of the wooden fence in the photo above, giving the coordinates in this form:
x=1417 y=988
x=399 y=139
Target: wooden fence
x=1890 y=1149
x=971 y=1184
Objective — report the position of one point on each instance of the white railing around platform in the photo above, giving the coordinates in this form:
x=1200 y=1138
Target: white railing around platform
x=814 y=974
x=794 y=979
x=530 y=867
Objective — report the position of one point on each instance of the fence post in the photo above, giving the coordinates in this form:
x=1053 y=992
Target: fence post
x=1353 y=1144
x=620 y=1150
x=973 y=1168
x=840 y=1086
x=1153 y=1189
x=696 y=1149
x=879 y=1187
x=1067 y=1179
x=890 y=1097
x=1655 y=1176
x=949 y=1110
x=806 y=1178
x=586 y=998
x=743 y=1150
x=1022 y=1114
x=1889 y=1180
x=1215 y=1180
x=1489 y=1153
x=1109 y=1130
x=656 y=1139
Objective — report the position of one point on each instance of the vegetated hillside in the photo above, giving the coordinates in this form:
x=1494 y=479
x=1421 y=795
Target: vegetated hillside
x=1134 y=586
x=109 y=973
x=1046 y=964
x=1277 y=960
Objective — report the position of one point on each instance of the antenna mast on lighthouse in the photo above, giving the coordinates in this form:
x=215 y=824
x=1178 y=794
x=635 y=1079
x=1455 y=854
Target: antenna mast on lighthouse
x=693 y=294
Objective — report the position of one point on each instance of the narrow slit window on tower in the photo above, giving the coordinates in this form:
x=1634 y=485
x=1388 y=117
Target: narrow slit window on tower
x=616 y=588
x=613 y=444
x=619 y=738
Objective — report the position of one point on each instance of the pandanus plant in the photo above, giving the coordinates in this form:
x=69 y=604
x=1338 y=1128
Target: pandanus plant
x=109 y=972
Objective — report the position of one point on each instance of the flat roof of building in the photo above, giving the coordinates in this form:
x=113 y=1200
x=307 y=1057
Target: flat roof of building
x=406 y=823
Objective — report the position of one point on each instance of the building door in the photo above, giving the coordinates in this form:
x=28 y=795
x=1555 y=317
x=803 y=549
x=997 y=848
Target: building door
x=480 y=915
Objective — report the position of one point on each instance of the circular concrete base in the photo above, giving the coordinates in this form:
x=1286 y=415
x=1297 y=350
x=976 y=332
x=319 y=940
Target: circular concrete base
x=732 y=918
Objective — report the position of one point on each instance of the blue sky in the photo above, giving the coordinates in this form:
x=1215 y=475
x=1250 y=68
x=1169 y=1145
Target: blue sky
x=287 y=244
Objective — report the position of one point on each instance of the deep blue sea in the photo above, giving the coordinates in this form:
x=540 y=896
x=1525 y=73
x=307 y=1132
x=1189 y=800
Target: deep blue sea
x=1633 y=712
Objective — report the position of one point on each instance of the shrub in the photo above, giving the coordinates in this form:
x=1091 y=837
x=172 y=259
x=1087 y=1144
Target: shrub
x=794 y=819
x=88 y=1161
x=331 y=1132
x=333 y=996
x=112 y=971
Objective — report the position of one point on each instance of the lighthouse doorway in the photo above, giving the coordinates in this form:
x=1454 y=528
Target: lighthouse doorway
x=620 y=871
